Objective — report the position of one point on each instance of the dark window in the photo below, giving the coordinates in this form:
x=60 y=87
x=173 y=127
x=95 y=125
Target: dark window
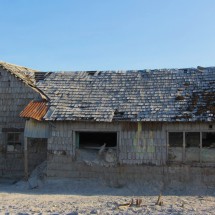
x=192 y=150
x=175 y=146
x=192 y=146
x=192 y=139
x=208 y=147
x=14 y=142
x=96 y=139
x=208 y=139
x=175 y=139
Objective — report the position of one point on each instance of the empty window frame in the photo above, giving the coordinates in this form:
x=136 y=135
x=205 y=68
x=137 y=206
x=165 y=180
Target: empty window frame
x=95 y=140
x=208 y=147
x=175 y=152
x=13 y=140
x=191 y=146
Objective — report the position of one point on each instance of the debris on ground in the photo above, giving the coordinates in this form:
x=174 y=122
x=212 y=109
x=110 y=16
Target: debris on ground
x=159 y=201
x=36 y=179
x=89 y=196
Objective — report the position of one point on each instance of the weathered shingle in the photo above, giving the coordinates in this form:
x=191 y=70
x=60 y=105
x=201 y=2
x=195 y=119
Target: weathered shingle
x=25 y=74
x=156 y=95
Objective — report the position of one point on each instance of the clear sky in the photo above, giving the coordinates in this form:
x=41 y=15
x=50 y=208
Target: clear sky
x=56 y=35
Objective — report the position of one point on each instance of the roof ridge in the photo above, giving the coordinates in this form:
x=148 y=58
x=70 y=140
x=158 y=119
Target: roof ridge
x=131 y=70
x=2 y=63
x=26 y=75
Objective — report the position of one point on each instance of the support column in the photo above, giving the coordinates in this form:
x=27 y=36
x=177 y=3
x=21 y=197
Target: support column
x=26 y=157
x=200 y=151
x=184 y=148
x=167 y=148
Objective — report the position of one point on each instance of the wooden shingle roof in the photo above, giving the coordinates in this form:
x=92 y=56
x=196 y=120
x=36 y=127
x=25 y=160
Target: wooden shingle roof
x=144 y=95
x=26 y=75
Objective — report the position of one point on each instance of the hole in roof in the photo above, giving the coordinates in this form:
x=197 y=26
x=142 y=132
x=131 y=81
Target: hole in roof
x=91 y=72
x=118 y=113
x=184 y=70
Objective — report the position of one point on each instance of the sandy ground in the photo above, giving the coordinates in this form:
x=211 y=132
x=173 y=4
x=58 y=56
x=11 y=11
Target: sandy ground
x=95 y=197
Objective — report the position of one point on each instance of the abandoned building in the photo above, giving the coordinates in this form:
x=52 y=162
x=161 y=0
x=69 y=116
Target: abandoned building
x=102 y=122
x=17 y=89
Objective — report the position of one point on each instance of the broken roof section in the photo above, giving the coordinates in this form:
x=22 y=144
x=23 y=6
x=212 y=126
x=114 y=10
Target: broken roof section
x=144 y=95
x=26 y=75
x=35 y=110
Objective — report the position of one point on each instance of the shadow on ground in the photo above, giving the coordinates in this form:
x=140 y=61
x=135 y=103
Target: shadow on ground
x=94 y=187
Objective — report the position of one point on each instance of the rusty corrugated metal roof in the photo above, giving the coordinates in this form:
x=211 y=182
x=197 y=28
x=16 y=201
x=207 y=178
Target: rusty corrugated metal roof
x=35 y=110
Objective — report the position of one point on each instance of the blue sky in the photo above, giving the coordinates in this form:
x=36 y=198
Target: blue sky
x=107 y=35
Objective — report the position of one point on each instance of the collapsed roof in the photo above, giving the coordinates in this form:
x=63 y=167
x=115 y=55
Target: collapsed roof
x=144 y=95
x=26 y=75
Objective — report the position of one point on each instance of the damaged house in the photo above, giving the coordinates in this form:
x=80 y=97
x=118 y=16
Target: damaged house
x=114 y=122
x=17 y=89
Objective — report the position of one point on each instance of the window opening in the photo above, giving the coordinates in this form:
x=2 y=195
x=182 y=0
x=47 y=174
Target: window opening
x=95 y=140
x=192 y=146
x=37 y=152
x=175 y=146
x=208 y=147
x=208 y=139
x=14 y=142
x=96 y=148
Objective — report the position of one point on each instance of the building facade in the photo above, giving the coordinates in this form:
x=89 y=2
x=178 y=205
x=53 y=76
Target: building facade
x=17 y=89
x=113 y=124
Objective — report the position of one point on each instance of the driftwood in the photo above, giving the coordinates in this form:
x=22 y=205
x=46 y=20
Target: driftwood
x=136 y=203
x=159 y=201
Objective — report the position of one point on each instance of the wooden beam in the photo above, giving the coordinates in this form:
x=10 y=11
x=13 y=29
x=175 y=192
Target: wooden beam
x=26 y=157
x=184 y=147
x=200 y=151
